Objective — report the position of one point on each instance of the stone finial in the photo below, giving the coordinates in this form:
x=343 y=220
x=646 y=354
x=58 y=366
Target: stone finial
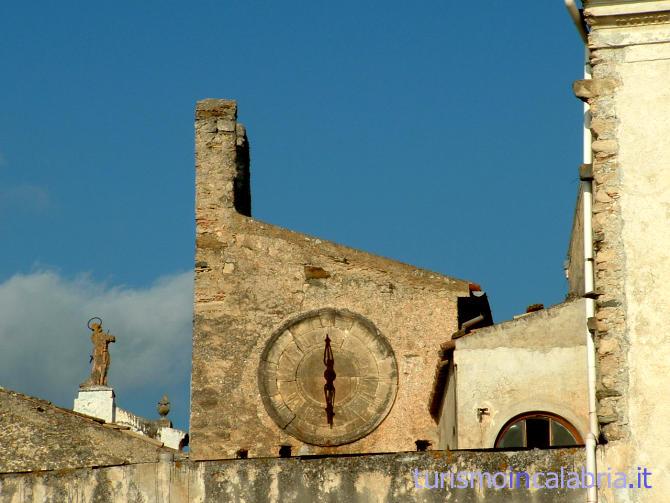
x=163 y=406
x=100 y=358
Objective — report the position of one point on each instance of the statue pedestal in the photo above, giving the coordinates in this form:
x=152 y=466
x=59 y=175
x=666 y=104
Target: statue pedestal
x=96 y=401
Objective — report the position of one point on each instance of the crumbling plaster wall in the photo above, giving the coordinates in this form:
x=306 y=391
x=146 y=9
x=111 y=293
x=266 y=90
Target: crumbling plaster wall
x=358 y=479
x=533 y=363
x=630 y=105
x=251 y=277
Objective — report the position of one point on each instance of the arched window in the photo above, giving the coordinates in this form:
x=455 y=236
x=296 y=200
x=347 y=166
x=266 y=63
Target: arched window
x=537 y=430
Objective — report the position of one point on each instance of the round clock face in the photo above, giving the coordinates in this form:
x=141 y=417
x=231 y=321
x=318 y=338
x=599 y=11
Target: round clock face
x=328 y=377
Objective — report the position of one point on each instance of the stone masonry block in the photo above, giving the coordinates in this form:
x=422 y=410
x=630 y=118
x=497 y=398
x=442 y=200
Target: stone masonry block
x=591 y=88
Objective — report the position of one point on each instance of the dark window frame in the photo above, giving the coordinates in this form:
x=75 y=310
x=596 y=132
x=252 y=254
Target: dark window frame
x=550 y=416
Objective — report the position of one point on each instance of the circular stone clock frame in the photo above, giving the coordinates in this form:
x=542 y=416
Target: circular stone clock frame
x=328 y=377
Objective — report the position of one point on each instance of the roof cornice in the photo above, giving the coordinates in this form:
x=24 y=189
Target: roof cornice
x=624 y=13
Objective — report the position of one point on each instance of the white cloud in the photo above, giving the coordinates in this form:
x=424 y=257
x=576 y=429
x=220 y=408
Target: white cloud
x=45 y=345
x=24 y=197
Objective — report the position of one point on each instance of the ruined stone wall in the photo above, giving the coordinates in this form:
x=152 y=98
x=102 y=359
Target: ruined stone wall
x=252 y=277
x=358 y=479
x=630 y=106
x=533 y=363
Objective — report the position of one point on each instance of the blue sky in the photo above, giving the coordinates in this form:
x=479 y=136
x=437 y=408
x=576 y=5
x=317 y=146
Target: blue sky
x=442 y=134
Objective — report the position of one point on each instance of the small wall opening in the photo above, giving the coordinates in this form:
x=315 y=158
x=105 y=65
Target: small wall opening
x=422 y=445
x=242 y=182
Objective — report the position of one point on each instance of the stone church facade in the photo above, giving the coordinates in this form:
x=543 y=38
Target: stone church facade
x=265 y=298
x=321 y=372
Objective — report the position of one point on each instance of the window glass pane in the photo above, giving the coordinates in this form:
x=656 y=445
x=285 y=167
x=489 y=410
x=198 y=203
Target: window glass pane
x=560 y=435
x=513 y=437
x=537 y=433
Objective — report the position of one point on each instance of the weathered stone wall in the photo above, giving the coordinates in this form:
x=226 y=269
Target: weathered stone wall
x=252 y=277
x=611 y=337
x=36 y=435
x=356 y=479
x=533 y=363
x=630 y=104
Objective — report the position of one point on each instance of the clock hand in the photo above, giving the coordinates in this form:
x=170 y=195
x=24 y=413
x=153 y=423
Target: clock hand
x=329 y=375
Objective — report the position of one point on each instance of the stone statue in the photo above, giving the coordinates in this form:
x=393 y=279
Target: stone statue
x=100 y=357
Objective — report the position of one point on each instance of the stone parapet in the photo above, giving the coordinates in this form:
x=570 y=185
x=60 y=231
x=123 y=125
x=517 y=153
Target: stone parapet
x=375 y=478
x=100 y=402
